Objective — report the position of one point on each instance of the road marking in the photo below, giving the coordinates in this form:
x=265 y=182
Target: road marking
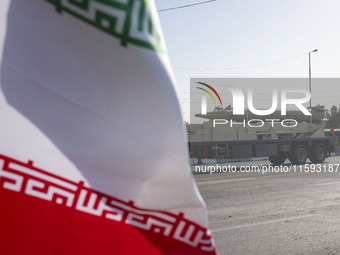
x=229 y=180
x=217 y=176
x=265 y=222
x=328 y=183
x=248 y=179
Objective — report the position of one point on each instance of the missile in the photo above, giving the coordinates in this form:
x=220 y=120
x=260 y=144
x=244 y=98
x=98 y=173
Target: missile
x=227 y=114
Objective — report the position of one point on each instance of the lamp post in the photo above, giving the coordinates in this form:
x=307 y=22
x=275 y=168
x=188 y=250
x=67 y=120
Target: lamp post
x=310 y=77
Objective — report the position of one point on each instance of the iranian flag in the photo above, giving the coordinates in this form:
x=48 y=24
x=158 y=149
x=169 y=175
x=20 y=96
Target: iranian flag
x=93 y=158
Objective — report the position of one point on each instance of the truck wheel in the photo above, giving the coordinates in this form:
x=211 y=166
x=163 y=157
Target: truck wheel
x=299 y=155
x=277 y=160
x=318 y=154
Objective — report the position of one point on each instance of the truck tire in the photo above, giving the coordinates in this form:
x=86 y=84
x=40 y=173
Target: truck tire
x=277 y=160
x=299 y=155
x=318 y=154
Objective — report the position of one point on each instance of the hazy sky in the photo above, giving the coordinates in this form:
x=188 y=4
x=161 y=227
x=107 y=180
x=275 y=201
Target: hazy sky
x=215 y=39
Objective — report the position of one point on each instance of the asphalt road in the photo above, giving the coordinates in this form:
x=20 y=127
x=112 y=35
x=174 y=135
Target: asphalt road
x=274 y=213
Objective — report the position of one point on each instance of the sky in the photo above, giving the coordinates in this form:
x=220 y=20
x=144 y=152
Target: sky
x=253 y=38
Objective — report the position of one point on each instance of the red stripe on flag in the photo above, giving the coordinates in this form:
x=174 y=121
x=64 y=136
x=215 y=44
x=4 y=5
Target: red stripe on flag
x=61 y=215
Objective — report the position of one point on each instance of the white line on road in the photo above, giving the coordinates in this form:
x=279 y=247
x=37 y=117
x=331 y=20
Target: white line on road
x=247 y=178
x=265 y=222
x=328 y=183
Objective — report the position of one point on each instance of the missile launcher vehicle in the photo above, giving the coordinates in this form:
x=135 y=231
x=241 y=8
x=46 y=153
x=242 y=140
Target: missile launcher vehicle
x=294 y=136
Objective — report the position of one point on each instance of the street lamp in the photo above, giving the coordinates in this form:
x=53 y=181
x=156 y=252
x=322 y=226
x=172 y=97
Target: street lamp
x=310 y=78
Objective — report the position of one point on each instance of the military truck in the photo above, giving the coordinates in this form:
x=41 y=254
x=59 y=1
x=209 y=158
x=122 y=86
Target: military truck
x=295 y=137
